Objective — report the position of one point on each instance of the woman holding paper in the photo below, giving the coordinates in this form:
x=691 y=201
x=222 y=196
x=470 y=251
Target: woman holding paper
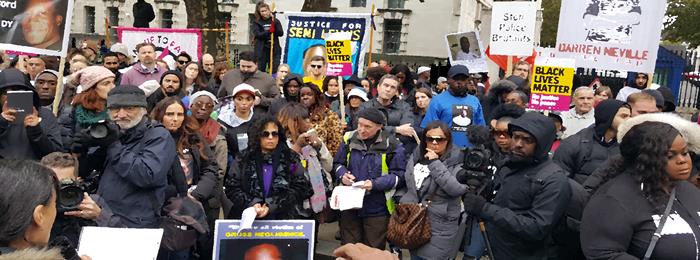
x=268 y=176
x=323 y=119
x=430 y=178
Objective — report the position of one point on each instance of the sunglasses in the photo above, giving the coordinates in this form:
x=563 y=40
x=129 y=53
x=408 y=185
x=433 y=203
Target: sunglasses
x=436 y=139
x=272 y=134
x=499 y=133
x=182 y=61
x=317 y=66
x=205 y=106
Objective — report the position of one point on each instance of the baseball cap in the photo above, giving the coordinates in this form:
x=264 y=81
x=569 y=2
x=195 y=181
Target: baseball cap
x=441 y=79
x=358 y=92
x=243 y=87
x=458 y=70
x=422 y=69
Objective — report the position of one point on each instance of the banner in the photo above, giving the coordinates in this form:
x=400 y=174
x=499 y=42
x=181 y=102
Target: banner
x=168 y=42
x=465 y=48
x=552 y=84
x=306 y=34
x=513 y=28
x=611 y=35
x=281 y=239
x=339 y=54
x=39 y=27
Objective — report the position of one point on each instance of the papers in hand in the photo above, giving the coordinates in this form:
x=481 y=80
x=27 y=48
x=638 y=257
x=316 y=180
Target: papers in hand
x=358 y=183
x=347 y=197
x=247 y=219
x=100 y=243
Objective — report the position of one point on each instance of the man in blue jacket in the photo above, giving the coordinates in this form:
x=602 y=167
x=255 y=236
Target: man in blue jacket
x=139 y=154
x=456 y=107
x=375 y=158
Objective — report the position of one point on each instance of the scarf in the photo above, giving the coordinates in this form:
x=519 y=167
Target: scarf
x=86 y=118
x=210 y=130
x=315 y=171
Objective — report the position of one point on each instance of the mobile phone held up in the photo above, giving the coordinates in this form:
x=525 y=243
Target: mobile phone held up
x=22 y=101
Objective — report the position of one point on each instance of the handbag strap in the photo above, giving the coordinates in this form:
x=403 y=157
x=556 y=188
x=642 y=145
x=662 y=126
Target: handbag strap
x=659 y=229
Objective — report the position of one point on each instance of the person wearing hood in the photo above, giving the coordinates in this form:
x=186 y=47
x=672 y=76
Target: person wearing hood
x=497 y=94
x=45 y=84
x=31 y=137
x=170 y=85
x=431 y=176
x=265 y=27
x=531 y=193
x=641 y=81
x=456 y=107
x=502 y=116
x=669 y=99
x=290 y=91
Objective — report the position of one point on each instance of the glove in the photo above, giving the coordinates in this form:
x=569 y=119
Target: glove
x=82 y=140
x=113 y=134
x=473 y=203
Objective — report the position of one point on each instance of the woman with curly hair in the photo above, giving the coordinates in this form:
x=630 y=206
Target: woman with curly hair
x=268 y=176
x=327 y=124
x=622 y=218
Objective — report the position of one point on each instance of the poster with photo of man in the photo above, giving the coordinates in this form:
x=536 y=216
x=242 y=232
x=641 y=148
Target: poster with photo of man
x=35 y=26
x=465 y=48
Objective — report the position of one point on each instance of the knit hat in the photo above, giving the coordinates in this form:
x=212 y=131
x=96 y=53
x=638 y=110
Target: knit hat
x=358 y=92
x=669 y=99
x=605 y=115
x=126 y=96
x=120 y=48
x=90 y=76
x=372 y=114
x=202 y=93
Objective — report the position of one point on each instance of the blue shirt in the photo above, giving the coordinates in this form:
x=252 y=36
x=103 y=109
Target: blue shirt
x=457 y=113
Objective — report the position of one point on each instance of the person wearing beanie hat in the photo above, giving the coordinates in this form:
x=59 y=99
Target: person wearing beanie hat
x=530 y=174
x=29 y=135
x=170 y=85
x=45 y=84
x=375 y=160
x=122 y=53
x=89 y=77
x=669 y=99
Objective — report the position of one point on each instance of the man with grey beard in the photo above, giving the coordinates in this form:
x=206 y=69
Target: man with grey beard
x=139 y=153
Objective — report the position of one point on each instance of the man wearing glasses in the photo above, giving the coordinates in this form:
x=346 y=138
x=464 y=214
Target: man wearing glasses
x=182 y=59
x=317 y=69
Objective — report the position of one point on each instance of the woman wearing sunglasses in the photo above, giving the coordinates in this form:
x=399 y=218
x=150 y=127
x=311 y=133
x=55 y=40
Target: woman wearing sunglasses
x=268 y=176
x=430 y=178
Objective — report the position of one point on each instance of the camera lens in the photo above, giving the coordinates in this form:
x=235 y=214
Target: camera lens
x=98 y=131
x=69 y=197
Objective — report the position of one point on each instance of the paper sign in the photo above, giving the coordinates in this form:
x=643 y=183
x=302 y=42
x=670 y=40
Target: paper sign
x=513 y=28
x=247 y=219
x=348 y=197
x=552 y=84
x=465 y=48
x=102 y=243
x=278 y=239
x=339 y=54
x=168 y=42
x=611 y=35
x=39 y=27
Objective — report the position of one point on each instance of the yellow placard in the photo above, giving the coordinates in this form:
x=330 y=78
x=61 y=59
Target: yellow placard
x=552 y=80
x=338 y=51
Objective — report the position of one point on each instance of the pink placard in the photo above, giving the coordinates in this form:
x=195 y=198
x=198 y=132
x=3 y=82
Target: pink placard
x=339 y=69
x=549 y=102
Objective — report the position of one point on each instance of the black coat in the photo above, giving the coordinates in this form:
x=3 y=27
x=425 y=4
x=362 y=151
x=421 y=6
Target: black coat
x=581 y=154
x=143 y=14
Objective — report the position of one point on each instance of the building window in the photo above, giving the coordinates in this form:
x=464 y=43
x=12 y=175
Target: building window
x=166 y=18
x=89 y=19
x=392 y=35
x=396 y=4
x=358 y=3
x=113 y=18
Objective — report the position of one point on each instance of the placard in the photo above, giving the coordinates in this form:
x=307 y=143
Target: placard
x=168 y=42
x=513 y=28
x=339 y=54
x=103 y=243
x=552 y=84
x=611 y=35
x=465 y=48
x=279 y=239
x=39 y=27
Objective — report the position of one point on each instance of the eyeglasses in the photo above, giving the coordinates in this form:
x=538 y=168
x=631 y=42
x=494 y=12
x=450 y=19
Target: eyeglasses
x=269 y=134
x=497 y=133
x=436 y=139
x=203 y=105
x=182 y=62
x=316 y=66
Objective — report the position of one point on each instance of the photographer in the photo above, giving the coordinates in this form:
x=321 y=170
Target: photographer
x=75 y=207
x=430 y=176
x=32 y=137
x=531 y=193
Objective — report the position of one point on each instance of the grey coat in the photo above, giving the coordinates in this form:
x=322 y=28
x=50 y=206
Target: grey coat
x=445 y=207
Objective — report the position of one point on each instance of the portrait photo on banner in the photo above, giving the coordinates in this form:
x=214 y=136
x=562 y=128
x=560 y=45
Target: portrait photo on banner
x=465 y=48
x=35 y=26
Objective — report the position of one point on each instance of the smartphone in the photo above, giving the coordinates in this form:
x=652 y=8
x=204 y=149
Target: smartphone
x=312 y=132
x=22 y=101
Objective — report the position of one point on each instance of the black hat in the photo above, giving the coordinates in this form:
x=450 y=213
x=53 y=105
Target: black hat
x=457 y=70
x=372 y=114
x=126 y=96
x=14 y=79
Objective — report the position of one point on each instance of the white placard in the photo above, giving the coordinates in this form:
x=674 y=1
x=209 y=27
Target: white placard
x=513 y=28
x=611 y=35
x=465 y=48
x=38 y=27
x=102 y=243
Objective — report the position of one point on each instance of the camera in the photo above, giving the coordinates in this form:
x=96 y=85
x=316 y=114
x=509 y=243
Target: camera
x=70 y=195
x=476 y=170
x=98 y=130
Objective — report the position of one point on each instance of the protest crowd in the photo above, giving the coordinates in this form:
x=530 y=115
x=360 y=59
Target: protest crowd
x=463 y=166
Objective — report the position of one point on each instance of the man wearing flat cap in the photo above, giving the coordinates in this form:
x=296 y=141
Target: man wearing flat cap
x=373 y=159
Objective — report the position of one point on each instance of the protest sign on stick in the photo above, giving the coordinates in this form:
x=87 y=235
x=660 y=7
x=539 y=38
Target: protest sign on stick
x=36 y=26
x=623 y=35
x=168 y=42
x=339 y=54
x=552 y=84
x=284 y=239
x=465 y=48
x=513 y=28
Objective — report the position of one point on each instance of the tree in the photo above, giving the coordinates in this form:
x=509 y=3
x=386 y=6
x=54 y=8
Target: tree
x=681 y=24
x=205 y=14
x=550 y=22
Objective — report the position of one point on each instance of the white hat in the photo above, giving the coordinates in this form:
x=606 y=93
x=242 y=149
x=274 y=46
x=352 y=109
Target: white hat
x=442 y=79
x=202 y=93
x=358 y=92
x=120 y=48
x=243 y=87
x=422 y=69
